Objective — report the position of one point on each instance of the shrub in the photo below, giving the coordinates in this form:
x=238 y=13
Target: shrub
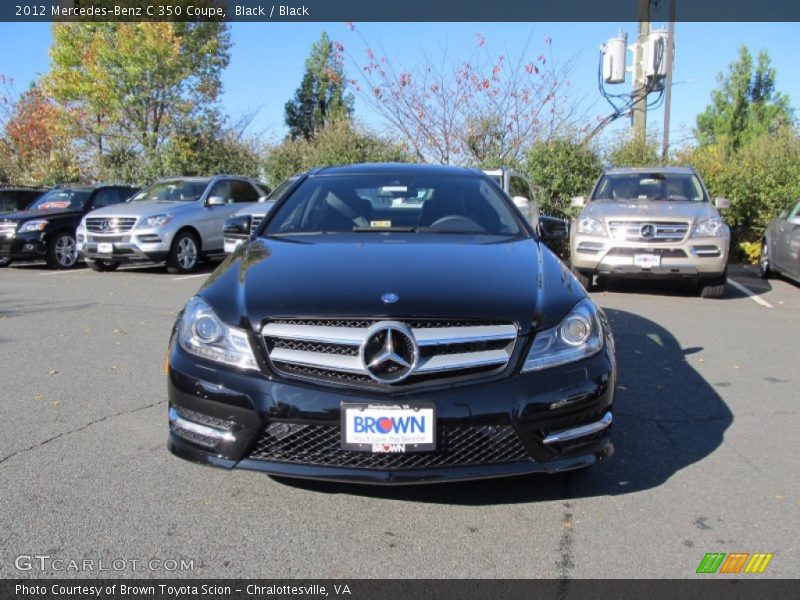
x=559 y=169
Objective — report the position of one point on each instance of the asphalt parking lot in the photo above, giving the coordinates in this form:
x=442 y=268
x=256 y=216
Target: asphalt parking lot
x=706 y=430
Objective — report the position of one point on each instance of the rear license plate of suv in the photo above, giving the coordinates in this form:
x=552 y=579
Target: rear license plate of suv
x=646 y=261
x=392 y=428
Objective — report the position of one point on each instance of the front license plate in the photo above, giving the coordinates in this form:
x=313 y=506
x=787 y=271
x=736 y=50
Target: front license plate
x=647 y=261
x=392 y=428
x=105 y=248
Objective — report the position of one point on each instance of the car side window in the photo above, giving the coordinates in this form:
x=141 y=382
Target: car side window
x=517 y=186
x=222 y=189
x=105 y=197
x=242 y=191
x=794 y=211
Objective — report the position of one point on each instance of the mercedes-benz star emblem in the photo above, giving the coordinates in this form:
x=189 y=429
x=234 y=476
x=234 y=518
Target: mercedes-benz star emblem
x=105 y=225
x=390 y=298
x=648 y=231
x=390 y=352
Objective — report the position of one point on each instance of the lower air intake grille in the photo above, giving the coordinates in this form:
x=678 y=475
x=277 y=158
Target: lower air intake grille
x=320 y=445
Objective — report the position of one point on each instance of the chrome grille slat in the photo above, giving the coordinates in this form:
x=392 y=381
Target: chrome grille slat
x=110 y=225
x=8 y=228
x=330 y=349
x=665 y=231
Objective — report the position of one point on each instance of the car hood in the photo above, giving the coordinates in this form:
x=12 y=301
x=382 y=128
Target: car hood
x=345 y=275
x=654 y=209
x=144 y=209
x=27 y=215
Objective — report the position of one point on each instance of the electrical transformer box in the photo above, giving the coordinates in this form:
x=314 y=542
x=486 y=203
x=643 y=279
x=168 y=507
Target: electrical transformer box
x=655 y=55
x=614 y=54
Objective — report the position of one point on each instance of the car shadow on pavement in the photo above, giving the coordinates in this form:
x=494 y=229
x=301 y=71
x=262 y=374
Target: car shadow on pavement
x=666 y=418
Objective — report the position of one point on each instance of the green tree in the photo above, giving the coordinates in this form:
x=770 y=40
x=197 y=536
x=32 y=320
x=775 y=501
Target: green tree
x=636 y=151
x=321 y=96
x=338 y=143
x=559 y=169
x=745 y=103
x=135 y=84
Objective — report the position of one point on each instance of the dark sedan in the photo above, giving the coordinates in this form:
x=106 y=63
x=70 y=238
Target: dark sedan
x=392 y=324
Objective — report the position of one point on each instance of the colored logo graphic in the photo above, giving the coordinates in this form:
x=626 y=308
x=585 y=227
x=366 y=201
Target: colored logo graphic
x=735 y=562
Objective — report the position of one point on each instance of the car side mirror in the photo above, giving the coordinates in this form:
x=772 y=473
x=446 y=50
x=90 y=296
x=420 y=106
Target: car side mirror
x=262 y=199
x=215 y=201
x=553 y=229
x=722 y=203
x=578 y=202
x=237 y=225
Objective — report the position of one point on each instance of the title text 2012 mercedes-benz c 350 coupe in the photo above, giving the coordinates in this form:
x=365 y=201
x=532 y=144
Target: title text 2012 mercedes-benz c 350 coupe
x=392 y=324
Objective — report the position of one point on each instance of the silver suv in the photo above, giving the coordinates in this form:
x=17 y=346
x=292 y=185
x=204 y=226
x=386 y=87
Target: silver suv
x=651 y=222
x=177 y=220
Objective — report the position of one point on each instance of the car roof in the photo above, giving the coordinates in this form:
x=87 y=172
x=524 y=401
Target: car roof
x=656 y=169
x=393 y=168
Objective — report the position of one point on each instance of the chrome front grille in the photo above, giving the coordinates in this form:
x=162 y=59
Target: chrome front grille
x=8 y=228
x=648 y=231
x=335 y=350
x=110 y=224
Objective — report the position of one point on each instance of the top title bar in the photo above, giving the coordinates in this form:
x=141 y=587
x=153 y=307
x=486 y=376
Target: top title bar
x=396 y=10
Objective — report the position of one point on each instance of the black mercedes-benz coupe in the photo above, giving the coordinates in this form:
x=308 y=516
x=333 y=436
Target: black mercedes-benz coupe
x=392 y=324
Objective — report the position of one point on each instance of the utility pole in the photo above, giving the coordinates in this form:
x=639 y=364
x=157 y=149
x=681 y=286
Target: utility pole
x=639 y=109
x=668 y=80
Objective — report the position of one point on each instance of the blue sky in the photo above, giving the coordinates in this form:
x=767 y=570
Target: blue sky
x=267 y=59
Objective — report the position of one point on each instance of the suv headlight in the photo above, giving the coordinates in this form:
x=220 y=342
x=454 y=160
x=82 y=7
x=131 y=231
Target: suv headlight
x=156 y=220
x=714 y=227
x=203 y=334
x=35 y=225
x=578 y=336
x=590 y=226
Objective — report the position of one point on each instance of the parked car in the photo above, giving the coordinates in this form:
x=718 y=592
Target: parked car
x=47 y=229
x=237 y=228
x=176 y=220
x=651 y=222
x=373 y=340
x=516 y=185
x=780 y=248
x=13 y=199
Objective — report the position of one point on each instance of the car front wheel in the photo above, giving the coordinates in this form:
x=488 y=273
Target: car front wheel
x=4 y=262
x=713 y=288
x=102 y=265
x=62 y=252
x=184 y=255
x=584 y=278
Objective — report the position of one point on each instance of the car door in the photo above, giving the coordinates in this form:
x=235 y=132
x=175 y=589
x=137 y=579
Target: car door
x=209 y=224
x=788 y=242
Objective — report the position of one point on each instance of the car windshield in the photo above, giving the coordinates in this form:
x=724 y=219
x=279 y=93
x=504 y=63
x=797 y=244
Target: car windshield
x=61 y=200
x=390 y=202
x=684 y=187
x=174 y=190
x=279 y=191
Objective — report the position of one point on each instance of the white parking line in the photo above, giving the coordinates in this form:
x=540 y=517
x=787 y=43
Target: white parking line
x=750 y=294
x=66 y=272
x=190 y=276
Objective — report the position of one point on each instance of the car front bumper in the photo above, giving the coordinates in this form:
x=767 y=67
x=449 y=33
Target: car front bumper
x=29 y=245
x=511 y=426
x=693 y=258
x=150 y=245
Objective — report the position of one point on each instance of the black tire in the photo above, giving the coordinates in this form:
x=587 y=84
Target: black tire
x=584 y=278
x=62 y=251
x=102 y=266
x=182 y=259
x=764 y=270
x=713 y=288
x=4 y=262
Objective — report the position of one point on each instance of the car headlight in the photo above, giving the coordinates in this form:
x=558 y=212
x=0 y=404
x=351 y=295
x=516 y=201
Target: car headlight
x=156 y=220
x=35 y=225
x=714 y=227
x=578 y=336
x=203 y=334
x=590 y=226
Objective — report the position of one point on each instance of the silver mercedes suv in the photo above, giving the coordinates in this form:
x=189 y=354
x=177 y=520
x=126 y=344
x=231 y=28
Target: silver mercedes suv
x=651 y=222
x=176 y=220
